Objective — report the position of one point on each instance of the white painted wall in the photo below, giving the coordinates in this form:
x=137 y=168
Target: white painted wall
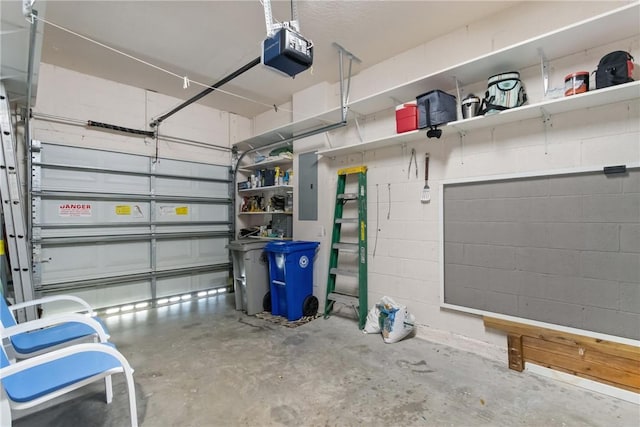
x=270 y=119
x=406 y=261
x=71 y=95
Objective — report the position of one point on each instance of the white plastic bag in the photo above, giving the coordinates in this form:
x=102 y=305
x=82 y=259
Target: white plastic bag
x=396 y=322
x=373 y=325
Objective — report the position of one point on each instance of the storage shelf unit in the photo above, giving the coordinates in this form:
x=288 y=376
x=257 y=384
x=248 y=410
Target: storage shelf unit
x=619 y=24
x=625 y=92
x=280 y=219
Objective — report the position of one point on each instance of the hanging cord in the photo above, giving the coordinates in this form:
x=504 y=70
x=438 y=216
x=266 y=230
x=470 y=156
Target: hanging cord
x=184 y=79
x=375 y=245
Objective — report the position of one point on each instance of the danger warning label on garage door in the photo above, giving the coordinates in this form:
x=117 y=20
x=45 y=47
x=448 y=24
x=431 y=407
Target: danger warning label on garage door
x=74 y=209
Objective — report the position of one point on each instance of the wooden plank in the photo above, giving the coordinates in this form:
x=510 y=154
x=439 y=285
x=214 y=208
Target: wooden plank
x=537 y=352
x=586 y=354
x=514 y=344
x=586 y=376
x=603 y=346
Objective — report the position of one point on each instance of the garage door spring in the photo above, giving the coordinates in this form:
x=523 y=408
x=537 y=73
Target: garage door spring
x=122 y=129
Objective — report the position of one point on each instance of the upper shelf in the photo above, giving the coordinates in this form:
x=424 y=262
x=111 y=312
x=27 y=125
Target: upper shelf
x=595 y=98
x=269 y=238
x=268 y=188
x=292 y=129
x=269 y=163
x=619 y=24
x=607 y=28
x=266 y=213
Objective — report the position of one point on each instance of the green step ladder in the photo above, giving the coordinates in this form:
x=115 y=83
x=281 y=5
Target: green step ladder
x=358 y=302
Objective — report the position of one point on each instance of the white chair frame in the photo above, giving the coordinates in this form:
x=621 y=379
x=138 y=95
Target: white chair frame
x=7 y=405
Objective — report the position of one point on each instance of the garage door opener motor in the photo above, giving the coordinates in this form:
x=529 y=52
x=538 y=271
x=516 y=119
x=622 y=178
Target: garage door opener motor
x=285 y=50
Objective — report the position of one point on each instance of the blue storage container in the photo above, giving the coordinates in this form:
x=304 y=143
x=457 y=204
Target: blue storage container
x=291 y=278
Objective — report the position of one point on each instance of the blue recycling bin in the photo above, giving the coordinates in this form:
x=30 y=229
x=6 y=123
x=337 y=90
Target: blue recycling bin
x=291 y=278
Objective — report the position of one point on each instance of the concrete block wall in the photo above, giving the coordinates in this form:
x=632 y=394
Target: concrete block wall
x=406 y=263
x=79 y=97
x=405 y=232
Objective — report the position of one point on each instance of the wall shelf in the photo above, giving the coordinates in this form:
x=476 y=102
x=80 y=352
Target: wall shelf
x=269 y=238
x=290 y=130
x=269 y=188
x=269 y=163
x=618 y=24
x=595 y=98
x=266 y=213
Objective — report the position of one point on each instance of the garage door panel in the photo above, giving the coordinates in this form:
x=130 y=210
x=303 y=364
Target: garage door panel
x=191 y=252
x=93 y=182
x=192 y=283
x=181 y=187
x=188 y=212
x=195 y=228
x=96 y=232
x=103 y=297
x=205 y=184
x=77 y=262
x=103 y=222
x=85 y=211
x=200 y=170
x=74 y=156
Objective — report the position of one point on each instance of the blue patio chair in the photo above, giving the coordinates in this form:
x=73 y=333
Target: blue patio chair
x=31 y=382
x=35 y=337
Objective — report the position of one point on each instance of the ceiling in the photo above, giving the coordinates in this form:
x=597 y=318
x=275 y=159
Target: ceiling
x=206 y=40
x=14 y=48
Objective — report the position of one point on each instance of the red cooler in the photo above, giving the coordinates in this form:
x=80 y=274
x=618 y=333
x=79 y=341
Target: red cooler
x=406 y=117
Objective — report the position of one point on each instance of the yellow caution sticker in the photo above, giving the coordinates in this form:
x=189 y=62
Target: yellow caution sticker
x=1 y=247
x=182 y=210
x=123 y=210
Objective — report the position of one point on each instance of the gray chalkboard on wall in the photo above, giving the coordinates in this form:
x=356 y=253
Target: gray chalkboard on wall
x=561 y=249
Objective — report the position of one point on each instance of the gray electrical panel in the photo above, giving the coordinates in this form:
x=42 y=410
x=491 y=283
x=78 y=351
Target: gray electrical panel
x=308 y=187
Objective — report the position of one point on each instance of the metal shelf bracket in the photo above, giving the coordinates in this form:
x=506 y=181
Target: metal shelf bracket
x=547 y=123
x=544 y=71
x=344 y=93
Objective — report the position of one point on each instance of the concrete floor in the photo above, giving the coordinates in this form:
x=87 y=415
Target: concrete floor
x=202 y=363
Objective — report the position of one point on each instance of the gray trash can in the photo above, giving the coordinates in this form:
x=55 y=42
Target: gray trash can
x=250 y=274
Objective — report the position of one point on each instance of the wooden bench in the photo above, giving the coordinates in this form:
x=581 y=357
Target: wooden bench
x=608 y=362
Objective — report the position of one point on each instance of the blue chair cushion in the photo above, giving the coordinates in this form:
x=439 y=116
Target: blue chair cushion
x=29 y=342
x=43 y=379
x=5 y=314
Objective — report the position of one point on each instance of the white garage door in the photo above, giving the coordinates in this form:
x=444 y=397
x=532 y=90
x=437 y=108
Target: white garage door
x=120 y=229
